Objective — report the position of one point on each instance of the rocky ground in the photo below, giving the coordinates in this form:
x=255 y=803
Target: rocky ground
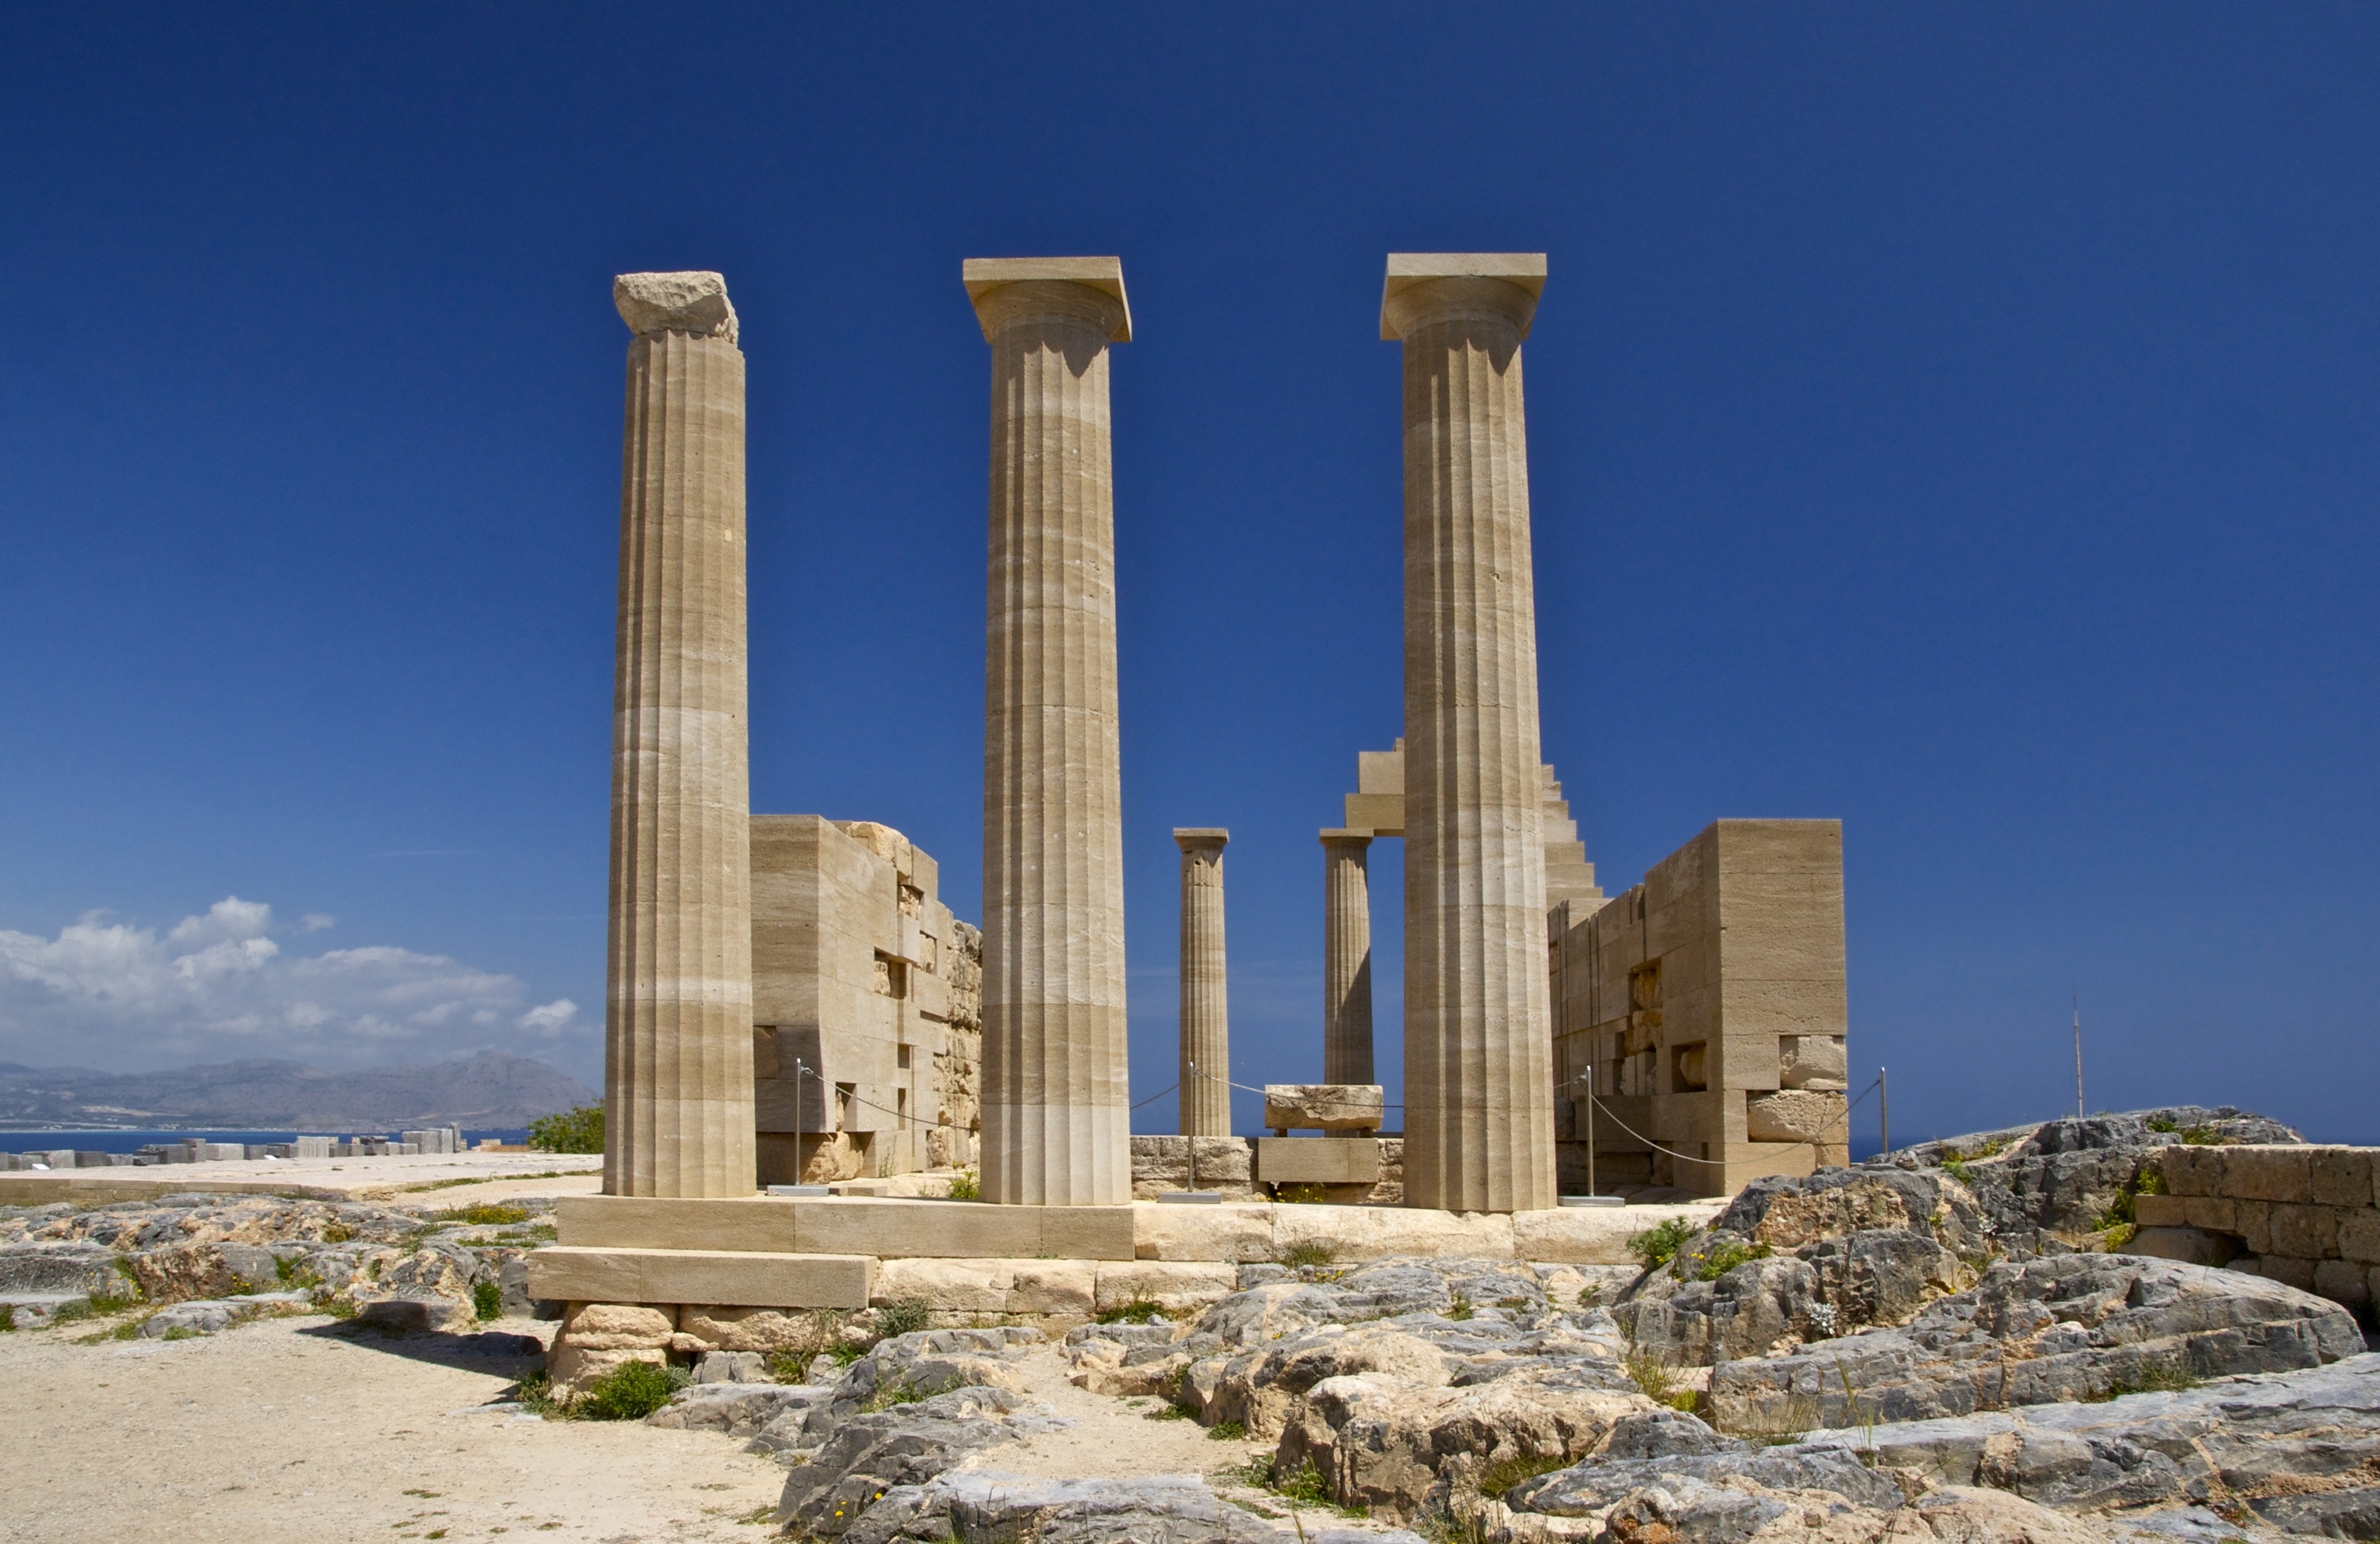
x=1938 y=1350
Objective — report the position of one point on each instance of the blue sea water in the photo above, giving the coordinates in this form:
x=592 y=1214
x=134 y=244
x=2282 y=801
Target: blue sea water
x=133 y=1141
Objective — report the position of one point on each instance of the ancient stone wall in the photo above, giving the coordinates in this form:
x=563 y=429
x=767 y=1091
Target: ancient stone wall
x=2306 y=1216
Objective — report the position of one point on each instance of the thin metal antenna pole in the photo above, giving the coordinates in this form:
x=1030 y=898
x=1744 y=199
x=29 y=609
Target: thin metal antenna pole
x=2079 y=1108
x=1884 y=1112
x=1590 y=1131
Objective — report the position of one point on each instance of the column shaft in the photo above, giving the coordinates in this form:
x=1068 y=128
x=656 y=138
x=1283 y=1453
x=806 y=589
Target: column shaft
x=1478 y=1016
x=678 y=1021
x=1205 y=1006
x=1056 y=1115
x=1346 y=958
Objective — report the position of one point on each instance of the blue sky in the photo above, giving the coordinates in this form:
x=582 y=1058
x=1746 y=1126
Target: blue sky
x=1959 y=421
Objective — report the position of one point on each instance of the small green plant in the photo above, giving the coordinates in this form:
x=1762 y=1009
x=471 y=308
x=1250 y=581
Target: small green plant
x=967 y=1185
x=337 y=1233
x=1227 y=1432
x=1458 y=1304
x=579 y=1130
x=1168 y=1413
x=536 y=1394
x=1590 y=1294
x=1956 y=1167
x=1655 y=1247
x=1140 y=1310
x=487 y=1300
x=484 y=1214
x=1992 y=1147
x=1654 y=1378
x=337 y=1305
x=1712 y=1264
x=1307 y=1486
x=2164 y=1375
x=1307 y=1251
x=179 y=1332
x=1512 y=1302
x=1496 y=1479
x=629 y=1392
x=901 y=1392
x=1298 y=1195
x=902 y=1315
x=2203 y=1137
x=8 y=1318
x=2166 y=1124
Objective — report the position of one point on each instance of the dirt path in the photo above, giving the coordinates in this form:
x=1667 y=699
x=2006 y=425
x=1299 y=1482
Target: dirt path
x=287 y=1431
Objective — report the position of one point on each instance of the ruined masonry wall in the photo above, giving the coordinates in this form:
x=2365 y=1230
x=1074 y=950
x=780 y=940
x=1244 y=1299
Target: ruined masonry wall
x=2306 y=1216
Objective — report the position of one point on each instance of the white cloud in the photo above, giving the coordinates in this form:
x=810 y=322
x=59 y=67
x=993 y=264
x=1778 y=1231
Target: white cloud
x=106 y=994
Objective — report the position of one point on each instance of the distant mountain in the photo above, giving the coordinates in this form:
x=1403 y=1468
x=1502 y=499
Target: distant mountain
x=490 y=1089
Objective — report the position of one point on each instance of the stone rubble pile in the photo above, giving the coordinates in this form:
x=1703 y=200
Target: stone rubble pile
x=201 y=1261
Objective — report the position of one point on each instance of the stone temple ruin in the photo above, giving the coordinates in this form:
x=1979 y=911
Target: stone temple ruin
x=790 y=1003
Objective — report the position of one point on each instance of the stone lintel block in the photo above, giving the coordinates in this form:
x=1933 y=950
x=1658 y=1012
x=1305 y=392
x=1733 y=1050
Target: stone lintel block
x=564 y=1274
x=2340 y=1176
x=2359 y=1235
x=847 y=1225
x=1779 y=847
x=1523 y=271
x=2306 y=1231
x=1359 y=1233
x=1168 y=1284
x=1105 y=274
x=1376 y=814
x=894 y=1229
x=2162 y=1211
x=2267 y=1173
x=992 y=1286
x=1324 y=1106
x=1233 y=1232
x=1317 y=1160
x=2342 y=1283
x=1594 y=1236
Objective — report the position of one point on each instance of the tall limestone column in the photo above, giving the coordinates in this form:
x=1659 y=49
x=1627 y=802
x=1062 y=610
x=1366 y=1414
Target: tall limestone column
x=1478 y=1014
x=1056 y=1107
x=1205 y=1101
x=1346 y=957
x=677 y=1061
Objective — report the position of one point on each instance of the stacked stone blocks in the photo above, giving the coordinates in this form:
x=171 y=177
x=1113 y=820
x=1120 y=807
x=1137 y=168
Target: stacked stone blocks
x=2306 y=1216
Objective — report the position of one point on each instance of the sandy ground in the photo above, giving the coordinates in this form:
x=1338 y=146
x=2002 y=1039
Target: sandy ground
x=306 y=1430
x=302 y=1429
x=491 y=1176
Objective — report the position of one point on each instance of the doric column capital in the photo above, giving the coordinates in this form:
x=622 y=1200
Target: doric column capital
x=1201 y=839
x=1423 y=288
x=1009 y=290
x=1342 y=837
x=694 y=303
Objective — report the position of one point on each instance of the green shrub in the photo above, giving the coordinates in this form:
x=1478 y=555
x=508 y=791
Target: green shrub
x=628 y=1392
x=1656 y=1247
x=8 y=1318
x=579 y=1130
x=904 y=1316
x=337 y=1233
x=1227 y=1432
x=487 y=1300
x=1956 y=1167
x=179 y=1332
x=966 y=1186
x=2166 y=1124
x=1298 y=1195
x=1458 y=1306
x=1496 y=1479
x=1140 y=1310
x=1307 y=1251
x=486 y=1214
x=1306 y=1485
x=1711 y=1263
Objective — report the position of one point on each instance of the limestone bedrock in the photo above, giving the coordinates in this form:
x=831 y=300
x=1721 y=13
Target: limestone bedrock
x=1479 y=1112
x=1056 y=1117
x=694 y=303
x=678 y=1016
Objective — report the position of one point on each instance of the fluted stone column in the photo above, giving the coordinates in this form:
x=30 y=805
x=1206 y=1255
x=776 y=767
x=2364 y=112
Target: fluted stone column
x=1206 y=999
x=1056 y=1106
x=678 y=1067
x=1346 y=957
x=1478 y=1015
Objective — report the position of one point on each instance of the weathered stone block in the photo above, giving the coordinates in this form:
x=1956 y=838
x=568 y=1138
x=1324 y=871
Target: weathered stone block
x=2288 y=1270
x=2161 y=1211
x=1055 y=1287
x=2215 y=1213
x=1323 y=1106
x=2359 y=1236
x=616 y=1327
x=1317 y=1160
x=766 y=1280
x=1592 y=1235
x=2342 y=1281
x=727 y=1328
x=2189 y=1171
x=2267 y=1173
x=574 y=1371
x=2253 y=1224
x=1169 y=1285
x=1807 y=1061
x=1794 y=1116
x=2189 y=1245
x=1238 y=1233
x=2340 y=1176
x=2306 y=1231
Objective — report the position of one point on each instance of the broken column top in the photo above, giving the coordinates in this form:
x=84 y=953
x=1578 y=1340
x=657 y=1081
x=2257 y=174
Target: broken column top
x=1508 y=283
x=1101 y=275
x=693 y=302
